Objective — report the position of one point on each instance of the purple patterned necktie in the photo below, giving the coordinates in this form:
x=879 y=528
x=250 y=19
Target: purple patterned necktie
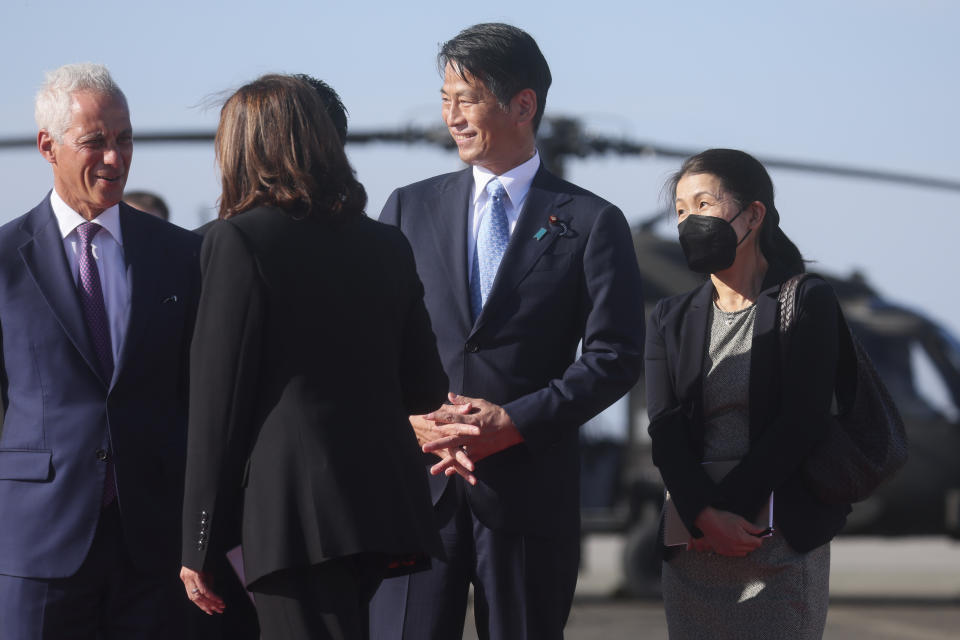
x=95 y=313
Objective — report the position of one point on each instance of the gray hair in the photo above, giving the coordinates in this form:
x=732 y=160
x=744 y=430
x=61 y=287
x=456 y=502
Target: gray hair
x=53 y=101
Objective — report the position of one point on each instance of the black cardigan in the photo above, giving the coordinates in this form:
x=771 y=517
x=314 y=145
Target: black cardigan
x=788 y=407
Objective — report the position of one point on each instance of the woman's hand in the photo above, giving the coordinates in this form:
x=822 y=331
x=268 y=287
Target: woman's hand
x=698 y=544
x=199 y=593
x=726 y=533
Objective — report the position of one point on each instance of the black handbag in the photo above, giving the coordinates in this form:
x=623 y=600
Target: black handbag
x=866 y=443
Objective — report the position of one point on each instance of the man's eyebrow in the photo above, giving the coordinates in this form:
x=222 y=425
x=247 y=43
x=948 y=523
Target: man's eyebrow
x=93 y=135
x=459 y=91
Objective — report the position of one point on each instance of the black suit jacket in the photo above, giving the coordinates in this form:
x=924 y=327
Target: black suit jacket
x=788 y=410
x=312 y=347
x=61 y=412
x=557 y=284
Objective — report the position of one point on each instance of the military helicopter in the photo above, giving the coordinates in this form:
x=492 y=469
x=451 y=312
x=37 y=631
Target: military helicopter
x=912 y=353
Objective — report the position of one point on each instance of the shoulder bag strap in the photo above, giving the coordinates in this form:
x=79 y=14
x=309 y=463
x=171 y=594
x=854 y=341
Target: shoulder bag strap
x=787 y=311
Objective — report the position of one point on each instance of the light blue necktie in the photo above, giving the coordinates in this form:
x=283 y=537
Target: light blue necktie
x=492 y=239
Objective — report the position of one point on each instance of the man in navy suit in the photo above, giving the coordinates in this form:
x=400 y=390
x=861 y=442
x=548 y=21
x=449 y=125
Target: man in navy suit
x=519 y=267
x=97 y=302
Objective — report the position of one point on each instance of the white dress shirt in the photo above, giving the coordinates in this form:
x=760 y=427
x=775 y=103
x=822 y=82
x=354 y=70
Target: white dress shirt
x=516 y=183
x=108 y=254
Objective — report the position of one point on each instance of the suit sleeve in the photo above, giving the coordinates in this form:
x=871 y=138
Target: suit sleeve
x=807 y=391
x=194 y=271
x=224 y=360
x=423 y=380
x=421 y=371
x=612 y=353
x=673 y=452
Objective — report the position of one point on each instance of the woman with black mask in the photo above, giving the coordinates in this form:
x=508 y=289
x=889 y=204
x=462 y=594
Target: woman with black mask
x=731 y=421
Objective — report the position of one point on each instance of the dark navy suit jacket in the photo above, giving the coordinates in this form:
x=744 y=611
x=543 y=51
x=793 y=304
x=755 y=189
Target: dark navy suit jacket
x=60 y=413
x=576 y=281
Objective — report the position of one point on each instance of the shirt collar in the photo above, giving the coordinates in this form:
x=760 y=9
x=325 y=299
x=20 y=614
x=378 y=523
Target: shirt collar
x=516 y=182
x=68 y=219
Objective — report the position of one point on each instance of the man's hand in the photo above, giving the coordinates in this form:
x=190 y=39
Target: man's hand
x=493 y=429
x=452 y=460
x=727 y=533
x=429 y=429
x=200 y=594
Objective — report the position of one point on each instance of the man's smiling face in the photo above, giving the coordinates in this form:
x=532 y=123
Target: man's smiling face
x=487 y=133
x=91 y=162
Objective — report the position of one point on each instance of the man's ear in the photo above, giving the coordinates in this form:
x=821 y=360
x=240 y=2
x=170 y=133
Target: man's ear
x=46 y=146
x=524 y=105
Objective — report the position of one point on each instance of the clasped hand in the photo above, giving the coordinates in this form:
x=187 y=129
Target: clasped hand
x=463 y=433
x=725 y=533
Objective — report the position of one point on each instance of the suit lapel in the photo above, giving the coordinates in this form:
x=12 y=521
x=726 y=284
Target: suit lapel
x=526 y=245
x=47 y=263
x=693 y=338
x=142 y=265
x=448 y=212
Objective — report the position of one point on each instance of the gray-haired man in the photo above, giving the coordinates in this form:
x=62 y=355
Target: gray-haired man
x=97 y=302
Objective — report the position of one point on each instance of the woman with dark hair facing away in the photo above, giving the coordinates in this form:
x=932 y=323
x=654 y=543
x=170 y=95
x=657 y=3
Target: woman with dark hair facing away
x=312 y=346
x=731 y=424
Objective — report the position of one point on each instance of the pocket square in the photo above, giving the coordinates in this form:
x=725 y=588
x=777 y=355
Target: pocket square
x=169 y=299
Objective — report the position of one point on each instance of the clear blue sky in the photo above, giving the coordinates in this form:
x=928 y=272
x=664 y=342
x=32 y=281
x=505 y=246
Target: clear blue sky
x=861 y=82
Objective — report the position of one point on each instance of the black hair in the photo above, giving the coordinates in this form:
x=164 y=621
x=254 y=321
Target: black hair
x=331 y=102
x=747 y=180
x=504 y=58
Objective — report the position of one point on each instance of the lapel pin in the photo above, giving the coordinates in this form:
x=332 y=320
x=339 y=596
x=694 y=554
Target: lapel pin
x=554 y=220
x=540 y=233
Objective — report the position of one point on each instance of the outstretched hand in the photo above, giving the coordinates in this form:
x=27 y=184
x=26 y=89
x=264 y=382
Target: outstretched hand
x=452 y=460
x=481 y=429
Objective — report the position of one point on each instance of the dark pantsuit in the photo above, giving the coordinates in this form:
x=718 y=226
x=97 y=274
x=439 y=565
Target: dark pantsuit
x=328 y=601
x=281 y=401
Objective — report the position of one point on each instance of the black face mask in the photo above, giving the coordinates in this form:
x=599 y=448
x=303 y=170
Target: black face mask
x=709 y=243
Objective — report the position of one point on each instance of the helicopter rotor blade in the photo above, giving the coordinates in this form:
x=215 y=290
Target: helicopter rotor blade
x=624 y=146
x=562 y=137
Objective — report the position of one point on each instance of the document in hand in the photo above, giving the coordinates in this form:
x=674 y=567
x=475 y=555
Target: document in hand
x=675 y=532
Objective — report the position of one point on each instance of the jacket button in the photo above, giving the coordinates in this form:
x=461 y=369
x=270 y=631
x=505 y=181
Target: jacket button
x=472 y=347
x=101 y=455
